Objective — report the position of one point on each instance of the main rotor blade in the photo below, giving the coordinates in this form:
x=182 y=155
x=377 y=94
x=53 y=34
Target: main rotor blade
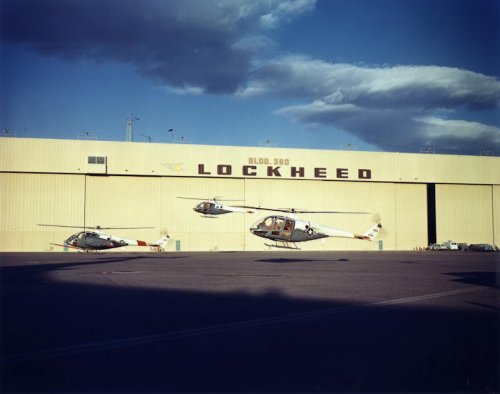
x=339 y=212
x=60 y=225
x=94 y=227
x=119 y=228
x=292 y=210
x=194 y=198
x=207 y=199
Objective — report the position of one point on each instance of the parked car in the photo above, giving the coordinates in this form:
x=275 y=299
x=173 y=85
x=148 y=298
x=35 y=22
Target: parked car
x=437 y=247
x=482 y=248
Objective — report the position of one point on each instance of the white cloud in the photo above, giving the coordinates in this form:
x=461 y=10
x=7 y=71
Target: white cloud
x=395 y=108
x=284 y=10
x=434 y=128
x=375 y=86
x=320 y=110
x=187 y=90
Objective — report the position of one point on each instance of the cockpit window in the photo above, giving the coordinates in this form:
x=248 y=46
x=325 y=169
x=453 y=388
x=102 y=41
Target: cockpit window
x=204 y=206
x=84 y=234
x=278 y=224
x=266 y=224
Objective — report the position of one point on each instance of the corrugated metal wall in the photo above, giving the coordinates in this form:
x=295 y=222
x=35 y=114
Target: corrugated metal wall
x=410 y=230
x=148 y=159
x=376 y=198
x=45 y=181
x=464 y=213
x=152 y=201
x=27 y=200
x=128 y=201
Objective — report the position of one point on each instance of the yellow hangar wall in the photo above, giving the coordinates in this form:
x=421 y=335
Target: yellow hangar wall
x=137 y=185
x=466 y=213
x=120 y=201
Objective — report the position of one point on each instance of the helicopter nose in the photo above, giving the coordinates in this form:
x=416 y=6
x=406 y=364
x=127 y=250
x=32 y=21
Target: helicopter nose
x=258 y=230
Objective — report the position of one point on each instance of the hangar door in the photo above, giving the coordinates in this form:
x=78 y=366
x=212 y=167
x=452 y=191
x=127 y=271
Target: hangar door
x=27 y=200
x=137 y=201
x=464 y=213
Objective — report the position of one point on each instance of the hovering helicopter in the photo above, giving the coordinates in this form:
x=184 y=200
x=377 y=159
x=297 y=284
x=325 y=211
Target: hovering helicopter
x=286 y=230
x=210 y=208
x=93 y=239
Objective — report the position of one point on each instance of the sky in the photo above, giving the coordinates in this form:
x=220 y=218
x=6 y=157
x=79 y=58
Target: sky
x=370 y=75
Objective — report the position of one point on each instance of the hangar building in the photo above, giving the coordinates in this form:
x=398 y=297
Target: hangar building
x=419 y=198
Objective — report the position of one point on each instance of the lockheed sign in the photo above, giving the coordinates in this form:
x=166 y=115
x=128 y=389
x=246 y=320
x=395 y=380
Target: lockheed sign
x=272 y=171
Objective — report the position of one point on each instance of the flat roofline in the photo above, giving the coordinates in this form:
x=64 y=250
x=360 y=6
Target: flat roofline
x=145 y=143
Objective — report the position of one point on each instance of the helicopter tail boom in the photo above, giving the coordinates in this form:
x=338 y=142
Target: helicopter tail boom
x=162 y=242
x=370 y=234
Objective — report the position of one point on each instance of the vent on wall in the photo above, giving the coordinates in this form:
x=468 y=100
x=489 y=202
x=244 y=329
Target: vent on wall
x=97 y=160
x=97 y=165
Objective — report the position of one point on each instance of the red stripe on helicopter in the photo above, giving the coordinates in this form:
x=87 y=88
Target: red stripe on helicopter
x=142 y=243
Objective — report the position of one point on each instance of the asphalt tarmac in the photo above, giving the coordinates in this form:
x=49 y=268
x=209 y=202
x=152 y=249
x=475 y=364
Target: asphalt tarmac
x=288 y=321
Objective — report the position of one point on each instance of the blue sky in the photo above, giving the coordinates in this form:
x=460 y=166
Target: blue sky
x=379 y=75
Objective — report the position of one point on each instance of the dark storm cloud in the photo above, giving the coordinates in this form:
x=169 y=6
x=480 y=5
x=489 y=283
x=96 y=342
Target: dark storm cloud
x=179 y=43
x=215 y=47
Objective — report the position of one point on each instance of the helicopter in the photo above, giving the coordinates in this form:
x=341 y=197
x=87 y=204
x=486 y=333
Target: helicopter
x=93 y=239
x=287 y=230
x=210 y=208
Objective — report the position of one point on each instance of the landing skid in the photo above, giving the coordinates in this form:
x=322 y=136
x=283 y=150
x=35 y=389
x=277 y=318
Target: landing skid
x=283 y=245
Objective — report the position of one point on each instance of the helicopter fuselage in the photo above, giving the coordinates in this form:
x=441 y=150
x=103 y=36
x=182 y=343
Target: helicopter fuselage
x=98 y=241
x=284 y=228
x=210 y=208
x=288 y=229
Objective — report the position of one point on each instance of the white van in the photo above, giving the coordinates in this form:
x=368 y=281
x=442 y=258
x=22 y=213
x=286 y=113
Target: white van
x=450 y=245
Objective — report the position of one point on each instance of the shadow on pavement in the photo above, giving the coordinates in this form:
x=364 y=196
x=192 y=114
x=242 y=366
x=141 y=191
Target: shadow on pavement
x=60 y=337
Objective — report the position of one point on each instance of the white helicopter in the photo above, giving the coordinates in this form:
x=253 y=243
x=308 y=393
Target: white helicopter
x=93 y=239
x=211 y=208
x=287 y=230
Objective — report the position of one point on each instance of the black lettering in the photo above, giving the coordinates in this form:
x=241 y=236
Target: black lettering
x=201 y=170
x=224 y=169
x=273 y=171
x=247 y=172
x=342 y=173
x=364 y=174
x=297 y=171
x=320 y=172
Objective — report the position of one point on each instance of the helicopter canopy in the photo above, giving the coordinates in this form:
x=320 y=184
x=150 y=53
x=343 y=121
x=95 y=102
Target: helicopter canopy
x=280 y=226
x=204 y=206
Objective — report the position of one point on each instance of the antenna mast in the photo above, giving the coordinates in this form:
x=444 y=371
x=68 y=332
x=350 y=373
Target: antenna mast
x=130 y=128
